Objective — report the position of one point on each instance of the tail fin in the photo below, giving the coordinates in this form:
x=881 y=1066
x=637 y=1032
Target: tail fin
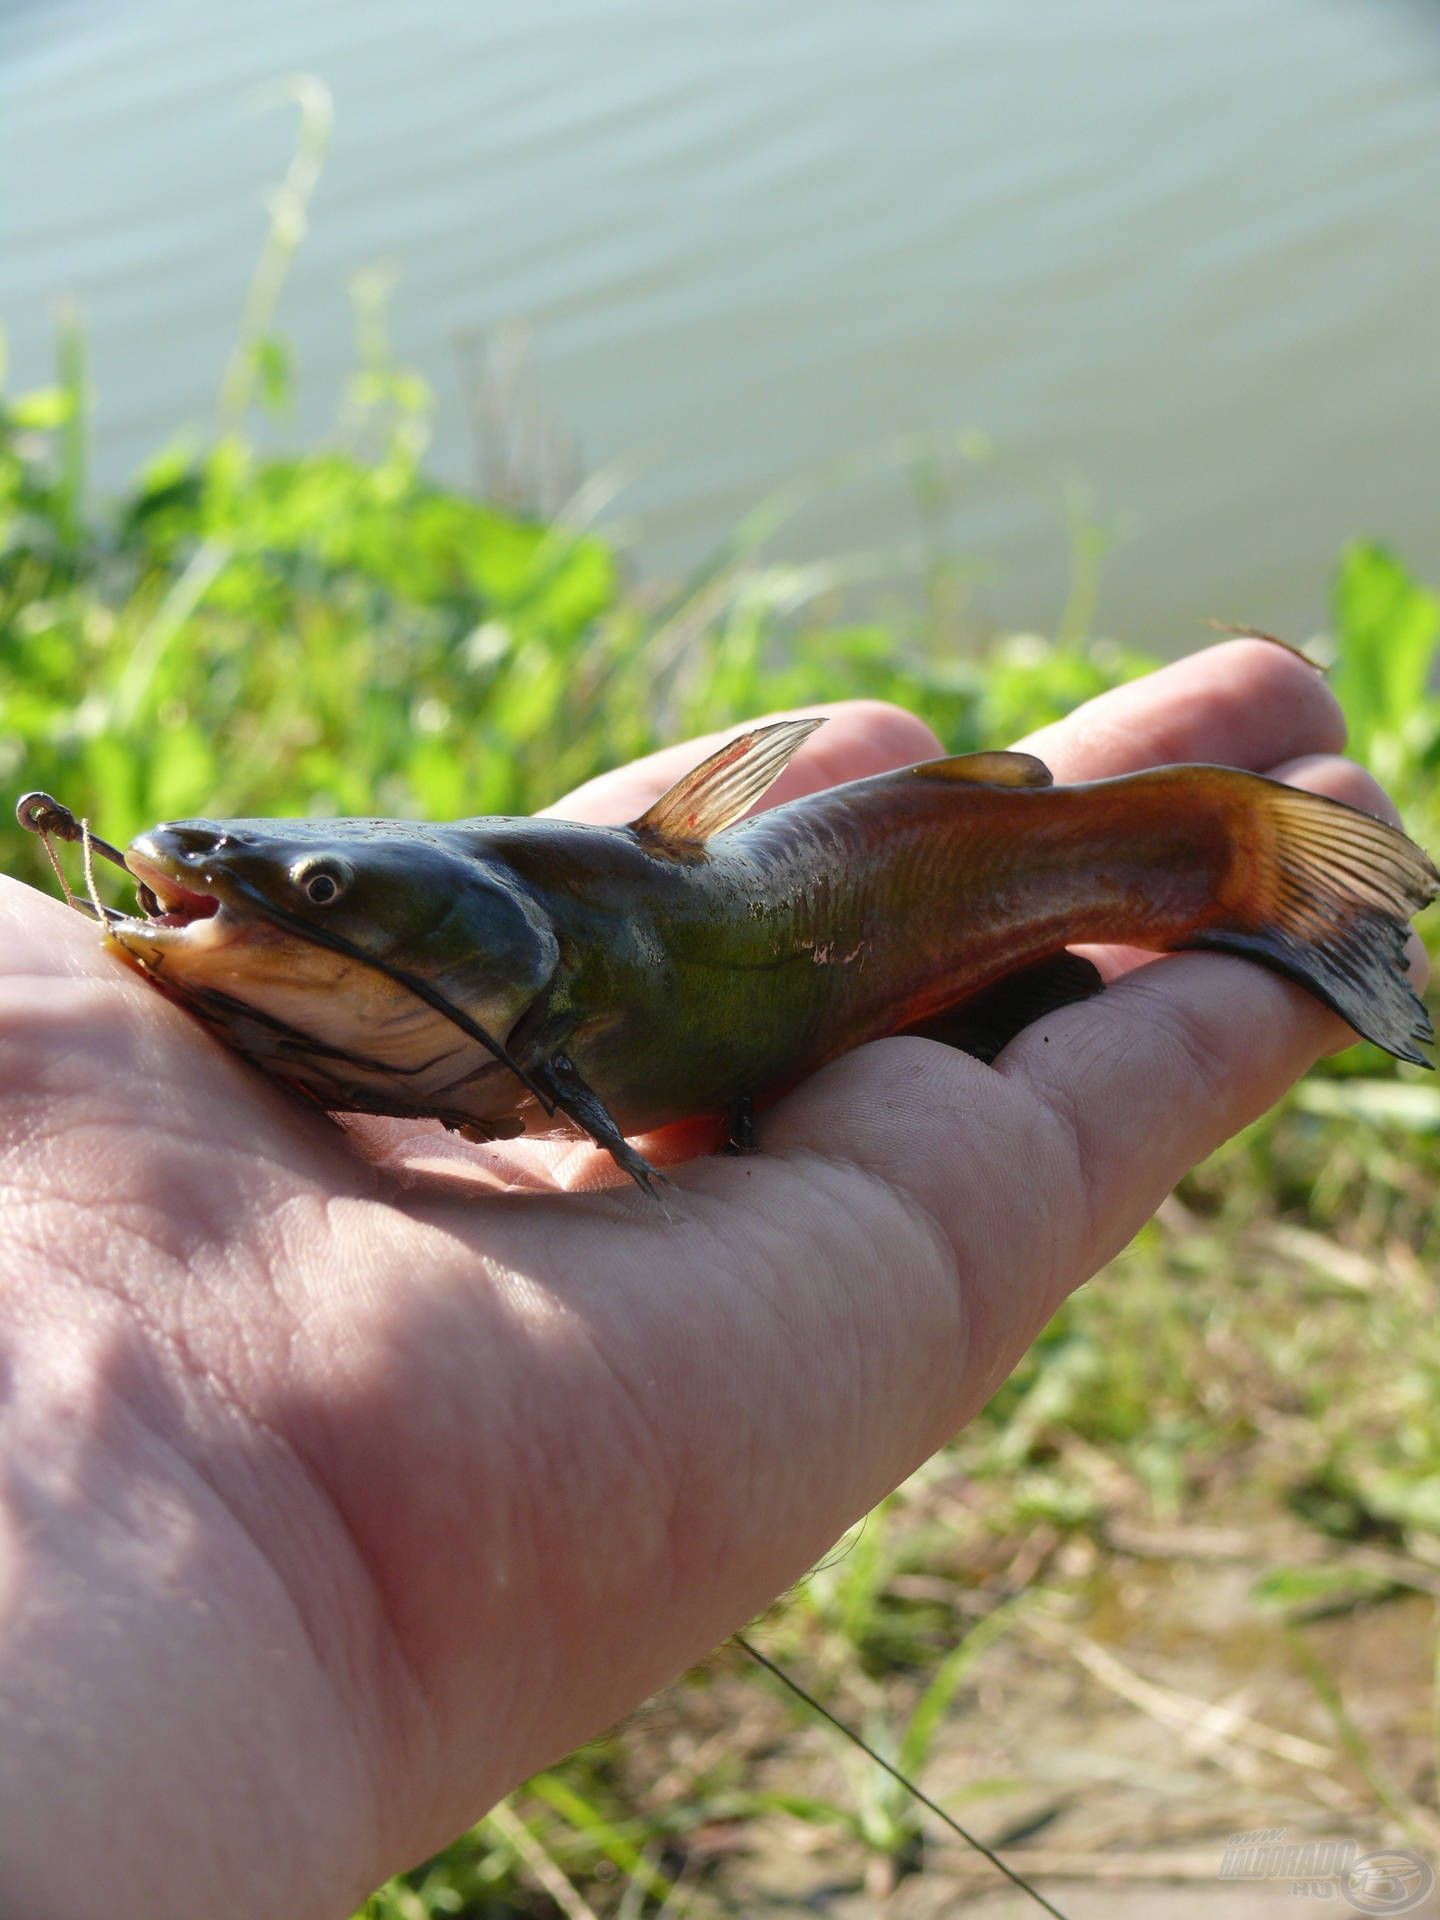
x=1324 y=894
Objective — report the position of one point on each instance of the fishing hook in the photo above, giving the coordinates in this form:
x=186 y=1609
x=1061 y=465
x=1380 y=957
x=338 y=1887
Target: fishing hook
x=42 y=814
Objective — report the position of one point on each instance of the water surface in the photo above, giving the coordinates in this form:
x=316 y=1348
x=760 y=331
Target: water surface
x=1184 y=255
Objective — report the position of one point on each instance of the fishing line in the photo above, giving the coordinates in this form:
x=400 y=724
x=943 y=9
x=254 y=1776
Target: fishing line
x=54 y=860
x=42 y=814
x=87 y=854
x=816 y=1706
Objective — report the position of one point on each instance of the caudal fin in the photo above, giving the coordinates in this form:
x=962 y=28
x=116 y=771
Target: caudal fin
x=1324 y=894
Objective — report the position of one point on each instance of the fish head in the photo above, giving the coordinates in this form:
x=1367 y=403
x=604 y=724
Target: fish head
x=331 y=950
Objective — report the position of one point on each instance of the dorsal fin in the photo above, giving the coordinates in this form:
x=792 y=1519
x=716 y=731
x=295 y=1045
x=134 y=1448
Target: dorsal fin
x=991 y=770
x=725 y=786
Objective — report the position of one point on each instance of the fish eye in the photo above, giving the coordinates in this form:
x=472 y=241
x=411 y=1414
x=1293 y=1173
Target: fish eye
x=322 y=879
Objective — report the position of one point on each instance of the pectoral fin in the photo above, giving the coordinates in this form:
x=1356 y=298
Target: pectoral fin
x=583 y=1105
x=990 y=1019
x=724 y=787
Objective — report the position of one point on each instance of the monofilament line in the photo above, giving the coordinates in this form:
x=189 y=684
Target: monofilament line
x=87 y=846
x=54 y=860
x=815 y=1706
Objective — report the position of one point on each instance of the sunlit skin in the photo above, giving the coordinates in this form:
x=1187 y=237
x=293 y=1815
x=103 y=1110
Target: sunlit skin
x=347 y=1476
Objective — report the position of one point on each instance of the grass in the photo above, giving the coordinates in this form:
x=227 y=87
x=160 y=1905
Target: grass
x=1180 y=1578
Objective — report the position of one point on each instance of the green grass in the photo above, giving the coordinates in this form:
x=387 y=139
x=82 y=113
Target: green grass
x=332 y=632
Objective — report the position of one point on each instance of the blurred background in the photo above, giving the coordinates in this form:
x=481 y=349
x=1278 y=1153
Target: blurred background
x=415 y=409
x=1176 y=266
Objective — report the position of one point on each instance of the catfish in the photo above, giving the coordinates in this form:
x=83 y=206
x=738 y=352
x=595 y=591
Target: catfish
x=508 y=976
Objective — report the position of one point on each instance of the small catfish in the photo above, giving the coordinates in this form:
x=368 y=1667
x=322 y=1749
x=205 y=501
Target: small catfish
x=507 y=975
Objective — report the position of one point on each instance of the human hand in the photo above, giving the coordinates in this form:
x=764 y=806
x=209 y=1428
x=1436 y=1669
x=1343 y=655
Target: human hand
x=344 y=1481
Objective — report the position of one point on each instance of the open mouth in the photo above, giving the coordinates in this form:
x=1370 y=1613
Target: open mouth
x=165 y=901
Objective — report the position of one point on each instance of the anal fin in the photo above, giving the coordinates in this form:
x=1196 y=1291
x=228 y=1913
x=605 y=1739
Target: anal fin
x=989 y=1020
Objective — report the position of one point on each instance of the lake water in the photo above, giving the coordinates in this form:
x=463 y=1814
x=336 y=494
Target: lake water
x=1179 y=264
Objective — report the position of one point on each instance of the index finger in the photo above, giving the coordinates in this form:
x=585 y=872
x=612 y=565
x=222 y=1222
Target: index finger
x=1246 y=703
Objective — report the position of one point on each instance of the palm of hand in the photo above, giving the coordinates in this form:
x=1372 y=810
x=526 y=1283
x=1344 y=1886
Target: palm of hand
x=343 y=1489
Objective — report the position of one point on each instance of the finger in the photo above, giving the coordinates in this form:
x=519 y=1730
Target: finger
x=860 y=737
x=42 y=935
x=1243 y=704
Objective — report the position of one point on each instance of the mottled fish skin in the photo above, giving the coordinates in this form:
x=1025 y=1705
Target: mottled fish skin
x=634 y=976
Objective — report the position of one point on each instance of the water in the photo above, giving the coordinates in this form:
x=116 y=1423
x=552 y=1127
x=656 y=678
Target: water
x=1178 y=263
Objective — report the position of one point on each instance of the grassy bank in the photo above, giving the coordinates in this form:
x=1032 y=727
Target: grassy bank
x=1180 y=1579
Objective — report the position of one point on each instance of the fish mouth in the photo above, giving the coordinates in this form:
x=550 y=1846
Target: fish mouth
x=188 y=914
x=175 y=904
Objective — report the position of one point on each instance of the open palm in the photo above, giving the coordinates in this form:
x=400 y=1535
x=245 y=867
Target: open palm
x=346 y=1477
